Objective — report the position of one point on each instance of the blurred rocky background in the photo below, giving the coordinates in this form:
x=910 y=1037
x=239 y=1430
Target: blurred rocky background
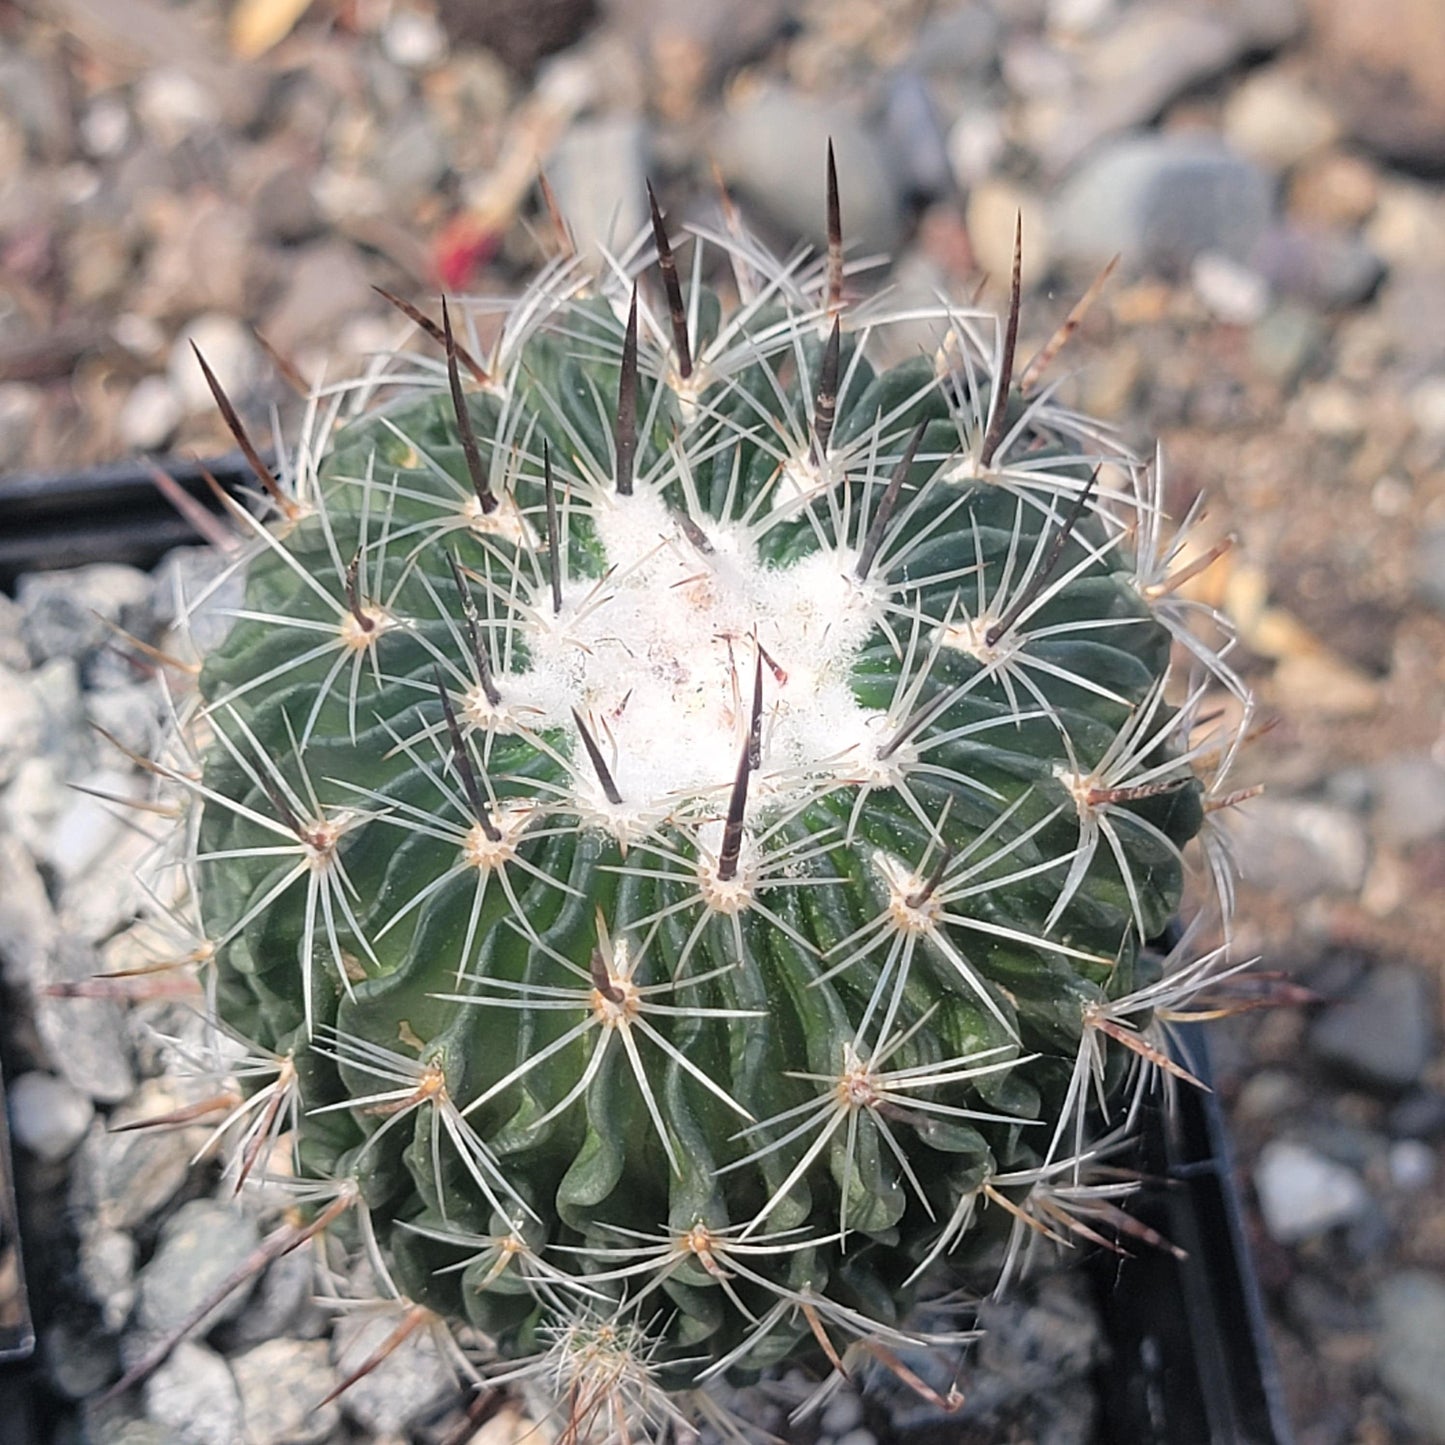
x=1270 y=173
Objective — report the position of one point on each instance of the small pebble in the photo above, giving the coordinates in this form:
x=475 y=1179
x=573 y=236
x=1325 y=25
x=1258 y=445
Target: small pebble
x=19 y=413
x=407 y=1385
x=1411 y=1352
x=1383 y=1034
x=173 y=103
x=194 y=1395
x=1234 y=294
x=49 y=1116
x=150 y=415
x=230 y=352
x=1302 y=1194
x=200 y=1246
x=1412 y=1164
x=1275 y=118
x=282 y=1384
x=105 y=127
x=22 y=721
x=414 y=39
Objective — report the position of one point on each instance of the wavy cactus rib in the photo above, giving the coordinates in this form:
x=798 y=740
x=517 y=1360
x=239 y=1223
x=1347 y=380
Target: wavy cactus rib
x=681 y=809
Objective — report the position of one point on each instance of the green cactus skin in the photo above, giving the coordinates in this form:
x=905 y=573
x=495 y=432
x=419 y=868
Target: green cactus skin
x=685 y=865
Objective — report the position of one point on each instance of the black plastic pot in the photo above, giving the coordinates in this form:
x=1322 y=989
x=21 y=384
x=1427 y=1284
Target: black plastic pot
x=1190 y=1360
x=106 y=514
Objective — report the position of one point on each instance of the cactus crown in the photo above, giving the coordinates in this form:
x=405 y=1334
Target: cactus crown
x=679 y=814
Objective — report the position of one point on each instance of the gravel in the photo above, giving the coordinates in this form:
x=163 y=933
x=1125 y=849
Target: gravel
x=1282 y=323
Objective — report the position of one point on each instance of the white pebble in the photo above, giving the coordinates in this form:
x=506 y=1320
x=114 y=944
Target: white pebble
x=414 y=39
x=230 y=353
x=141 y=335
x=150 y=414
x=1303 y=1194
x=105 y=126
x=49 y=1116
x=172 y=104
x=843 y=1412
x=1412 y=1164
x=1233 y=293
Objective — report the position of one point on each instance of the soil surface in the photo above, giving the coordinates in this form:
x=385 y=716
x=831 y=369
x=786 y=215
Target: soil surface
x=224 y=173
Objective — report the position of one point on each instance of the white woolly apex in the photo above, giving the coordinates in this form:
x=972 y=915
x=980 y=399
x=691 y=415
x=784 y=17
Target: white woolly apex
x=659 y=659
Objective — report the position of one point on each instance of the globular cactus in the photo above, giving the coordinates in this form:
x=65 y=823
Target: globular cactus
x=679 y=814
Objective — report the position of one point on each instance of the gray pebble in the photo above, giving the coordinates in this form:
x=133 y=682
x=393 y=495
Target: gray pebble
x=1419 y=1115
x=78 y=1364
x=1286 y=343
x=598 y=173
x=56 y=684
x=408 y=1384
x=1150 y=56
x=773 y=147
x=132 y=714
x=59 y=609
x=1328 y=269
x=1383 y=1034
x=13 y=652
x=1411 y=1358
x=411 y=160
x=1160 y=201
x=282 y=1384
x=22 y=721
x=842 y=1413
x=1302 y=848
x=48 y=1116
x=326 y=284
x=917 y=143
x=1303 y=1194
x=1412 y=1164
x=114 y=1422
x=122 y=1179
x=107 y=1270
x=194 y=1396
x=1430 y=567
x=86 y=1037
x=961 y=42
x=1409 y=799
x=285 y=210
x=200 y=1247
x=281 y=1304
x=28 y=929
x=87 y=827
x=194 y=587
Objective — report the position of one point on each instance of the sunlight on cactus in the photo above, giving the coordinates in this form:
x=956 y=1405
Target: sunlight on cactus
x=676 y=821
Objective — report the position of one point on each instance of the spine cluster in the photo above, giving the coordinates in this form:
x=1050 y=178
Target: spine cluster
x=674 y=831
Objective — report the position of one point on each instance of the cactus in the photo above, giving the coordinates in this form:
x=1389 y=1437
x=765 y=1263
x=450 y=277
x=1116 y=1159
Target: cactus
x=679 y=815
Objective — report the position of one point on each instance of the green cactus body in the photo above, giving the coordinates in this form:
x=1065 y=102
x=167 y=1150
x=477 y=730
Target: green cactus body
x=679 y=878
